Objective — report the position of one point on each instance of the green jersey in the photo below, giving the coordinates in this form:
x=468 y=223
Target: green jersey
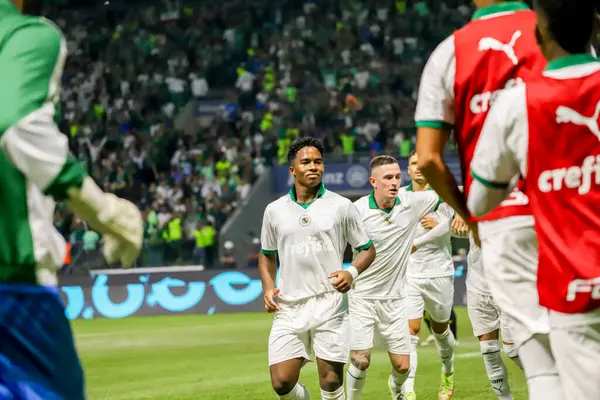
x=36 y=166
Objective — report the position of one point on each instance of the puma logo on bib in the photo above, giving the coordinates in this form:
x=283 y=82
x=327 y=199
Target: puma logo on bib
x=489 y=43
x=565 y=115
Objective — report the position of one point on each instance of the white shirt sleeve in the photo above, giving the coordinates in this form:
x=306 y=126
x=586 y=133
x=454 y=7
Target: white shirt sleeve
x=501 y=152
x=268 y=237
x=356 y=234
x=435 y=104
x=439 y=231
x=41 y=152
x=425 y=202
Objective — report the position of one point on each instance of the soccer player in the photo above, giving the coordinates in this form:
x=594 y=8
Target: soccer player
x=496 y=50
x=309 y=229
x=431 y=283
x=38 y=359
x=377 y=304
x=547 y=131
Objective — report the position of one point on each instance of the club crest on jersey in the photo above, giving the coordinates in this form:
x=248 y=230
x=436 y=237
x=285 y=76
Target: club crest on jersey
x=304 y=220
x=565 y=115
x=489 y=43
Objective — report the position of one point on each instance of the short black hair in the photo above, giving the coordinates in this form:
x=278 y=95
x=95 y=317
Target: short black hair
x=570 y=22
x=381 y=160
x=301 y=143
x=412 y=153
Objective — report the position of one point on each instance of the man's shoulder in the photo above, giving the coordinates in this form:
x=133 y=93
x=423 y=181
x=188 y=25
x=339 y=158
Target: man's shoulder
x=337 y=199
x=278 y=203
x=444 y=52
x=362 y=204
x=510 y=104
x=23 y=28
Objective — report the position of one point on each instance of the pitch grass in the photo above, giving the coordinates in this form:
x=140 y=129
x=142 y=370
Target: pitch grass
x=224 y=357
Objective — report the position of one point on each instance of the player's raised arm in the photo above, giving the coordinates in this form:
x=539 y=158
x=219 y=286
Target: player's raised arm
x=499 y=157
x=36 y=147
x=267 y=263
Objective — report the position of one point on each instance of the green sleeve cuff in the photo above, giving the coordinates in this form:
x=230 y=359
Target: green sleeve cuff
x=268 y=252
x=434 y=124
x=364 y=246
x=70 y=176
x=490 y=184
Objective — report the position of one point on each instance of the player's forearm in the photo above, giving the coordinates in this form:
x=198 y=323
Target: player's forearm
x=442 y=181
x=483 y=199
x=439 y=231
x=364 y=259
x=267 y=269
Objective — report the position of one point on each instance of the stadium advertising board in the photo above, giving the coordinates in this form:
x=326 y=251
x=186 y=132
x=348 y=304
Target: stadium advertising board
x=338 y=178
x=159 y=293
x=184 y=291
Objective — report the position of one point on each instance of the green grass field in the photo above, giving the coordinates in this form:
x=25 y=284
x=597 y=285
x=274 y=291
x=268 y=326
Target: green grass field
x=224 y=357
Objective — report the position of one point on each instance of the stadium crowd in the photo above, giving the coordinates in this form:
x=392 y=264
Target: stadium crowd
x=281 y=69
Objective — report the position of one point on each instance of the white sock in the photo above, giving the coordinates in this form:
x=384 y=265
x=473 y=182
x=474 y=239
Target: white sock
x=511 y=351
x=445 y=344
x=299 y=392
x=396 y=381
x=495 y=368
x=409 y=385
x=355 y=382
x=542 y=376
x=337 y=395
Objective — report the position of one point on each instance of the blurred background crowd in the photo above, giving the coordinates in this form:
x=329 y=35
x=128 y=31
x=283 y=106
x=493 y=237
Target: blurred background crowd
x=180 y=105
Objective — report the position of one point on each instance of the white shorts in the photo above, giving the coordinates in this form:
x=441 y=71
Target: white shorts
x=485 y=315
x=434 y=295
x=387 y=318
x=576 y=350
x=320 y=322
x=509 y=251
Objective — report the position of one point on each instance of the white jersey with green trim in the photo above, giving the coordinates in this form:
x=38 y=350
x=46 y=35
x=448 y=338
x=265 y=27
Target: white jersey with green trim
x=34 y=155
x=310 y=240
x=433 y=257
x=393 y=232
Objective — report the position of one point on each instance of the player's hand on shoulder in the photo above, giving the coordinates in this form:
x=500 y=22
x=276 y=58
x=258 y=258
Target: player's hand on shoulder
x=414 y=249
x=341 y=281
x=429 y=222
x=269 y=299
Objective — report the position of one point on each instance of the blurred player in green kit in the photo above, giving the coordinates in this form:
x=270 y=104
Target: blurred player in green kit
x=38 y=359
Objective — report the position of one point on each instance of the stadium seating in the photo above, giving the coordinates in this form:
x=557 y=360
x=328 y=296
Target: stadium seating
x=179 y=106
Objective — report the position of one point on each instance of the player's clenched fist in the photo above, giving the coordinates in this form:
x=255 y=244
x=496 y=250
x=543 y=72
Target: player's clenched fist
x=269 y=298
x=342 y=281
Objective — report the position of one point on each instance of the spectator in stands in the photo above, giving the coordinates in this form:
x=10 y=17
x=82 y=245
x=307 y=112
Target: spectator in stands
x=228 y=258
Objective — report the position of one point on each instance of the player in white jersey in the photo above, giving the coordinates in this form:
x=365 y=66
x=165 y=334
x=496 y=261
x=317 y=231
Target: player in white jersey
x=430 y=283
x=377 y=302
x=309 y=229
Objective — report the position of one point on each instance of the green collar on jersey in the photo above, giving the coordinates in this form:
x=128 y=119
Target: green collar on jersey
x=373 y=203
x=292 y=194
x=506 y=6
x=409 y=188
x=570 y=60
